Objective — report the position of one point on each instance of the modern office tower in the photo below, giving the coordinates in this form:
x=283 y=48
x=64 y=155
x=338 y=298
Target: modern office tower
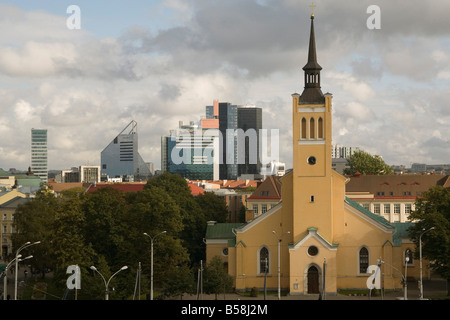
x=191 y=151
x=239 y=154
x=228 y=124
x=250 y=121
x=164 y=153
x=121 y=157
x=39 y=160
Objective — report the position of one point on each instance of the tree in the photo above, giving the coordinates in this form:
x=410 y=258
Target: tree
x=216 y=278
x=364 y=163
x=213 y=207
x=180 y=280
x=32 y=222
x=192 y=216
x=432 y=210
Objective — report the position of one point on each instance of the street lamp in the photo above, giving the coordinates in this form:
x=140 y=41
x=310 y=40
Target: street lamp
x=107 y=283
x=420 y=260
x=279 y=242
x=151 y=261
x=406 y=277
x=5 y=279
x=25 y=245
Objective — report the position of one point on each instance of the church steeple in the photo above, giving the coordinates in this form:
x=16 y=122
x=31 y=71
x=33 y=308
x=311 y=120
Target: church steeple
x=312 y=93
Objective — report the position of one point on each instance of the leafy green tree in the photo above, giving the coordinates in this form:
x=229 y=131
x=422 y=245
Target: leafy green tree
x=153 y=211
x=192 y=216
x=32 y=221
x=103 y=210
x=432 y=210
x=364 y=163
x=213 y=207
x=69 y=246
x=180 y=280
x=216 y=278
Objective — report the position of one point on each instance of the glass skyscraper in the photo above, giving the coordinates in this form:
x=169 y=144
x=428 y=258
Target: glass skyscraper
x=39 y=159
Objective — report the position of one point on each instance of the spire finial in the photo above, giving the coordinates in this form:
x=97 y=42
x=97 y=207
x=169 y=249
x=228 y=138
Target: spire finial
x=312 y=9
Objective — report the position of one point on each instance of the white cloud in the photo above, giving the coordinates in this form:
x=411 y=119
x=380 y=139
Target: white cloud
x=85 y=89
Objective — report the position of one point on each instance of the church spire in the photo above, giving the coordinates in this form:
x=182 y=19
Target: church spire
x=312 y=93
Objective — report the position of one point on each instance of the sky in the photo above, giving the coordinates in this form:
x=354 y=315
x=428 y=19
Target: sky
x=161 y=62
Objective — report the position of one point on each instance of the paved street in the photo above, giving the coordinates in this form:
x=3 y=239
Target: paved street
x=432 y=289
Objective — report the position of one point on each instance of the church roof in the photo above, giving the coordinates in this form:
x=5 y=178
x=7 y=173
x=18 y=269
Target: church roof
x=371 y=215
x=312 y=93
x=221 y=230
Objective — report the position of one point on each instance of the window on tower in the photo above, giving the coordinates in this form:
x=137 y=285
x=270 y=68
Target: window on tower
x=303 y=129
x=312 y=128
x=320 y=128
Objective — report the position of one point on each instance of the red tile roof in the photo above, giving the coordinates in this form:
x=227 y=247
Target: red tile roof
x=195 y=190
x=125 y=187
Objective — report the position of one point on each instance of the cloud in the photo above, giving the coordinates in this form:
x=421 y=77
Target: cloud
x=389 y=86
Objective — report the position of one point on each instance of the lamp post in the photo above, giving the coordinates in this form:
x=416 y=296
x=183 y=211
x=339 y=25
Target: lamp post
x=420 y=260
x=107 y=283
x=5 y=279
x=279 y=242
x=406 y=277
x=151 y=261
x=25 y=245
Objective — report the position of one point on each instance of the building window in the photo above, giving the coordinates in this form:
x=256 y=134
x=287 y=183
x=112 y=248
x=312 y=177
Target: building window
x=397 y=208
x=365 y=206
x=376 y=208
x=363 y=260
x=312 y=128
x=408 y=208
x=303 y=129
x=263 y=208
x=225 y=251
x=264 y=260
x=320 y=128
x=255 y=209
x=313 y=251
x=387 y=208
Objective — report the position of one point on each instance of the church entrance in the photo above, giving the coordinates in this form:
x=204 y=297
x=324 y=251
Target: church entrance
x=313 y=280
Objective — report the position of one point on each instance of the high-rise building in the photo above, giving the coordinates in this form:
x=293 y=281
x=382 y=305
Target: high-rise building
x=237 y=157
x=190 y=151
x=121 y=157
x=250 y=121
x=236 y=151
x=39 y=156
x=228 y=123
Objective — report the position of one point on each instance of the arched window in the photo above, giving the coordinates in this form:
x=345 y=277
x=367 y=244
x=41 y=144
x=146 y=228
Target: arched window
x=312 y=128
x=363 y=260
x=264 y=260
x=303 y=129
x=320 y=128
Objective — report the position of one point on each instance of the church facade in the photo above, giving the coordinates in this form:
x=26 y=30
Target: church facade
x=315 y=240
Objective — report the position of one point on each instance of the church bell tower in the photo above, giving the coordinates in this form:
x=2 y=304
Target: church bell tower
x=312 y=176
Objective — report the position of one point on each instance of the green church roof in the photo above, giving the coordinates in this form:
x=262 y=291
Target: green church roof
x=368 y=213
x=221 y=230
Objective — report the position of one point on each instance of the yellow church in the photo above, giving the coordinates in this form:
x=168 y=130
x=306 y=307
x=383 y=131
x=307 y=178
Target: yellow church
x=315 y=240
